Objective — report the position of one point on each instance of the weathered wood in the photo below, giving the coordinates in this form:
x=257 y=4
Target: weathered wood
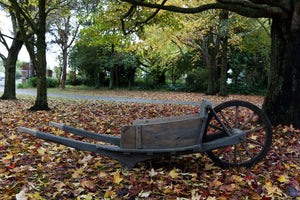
x=164 y=119
x=96 y=136
x=165 y=134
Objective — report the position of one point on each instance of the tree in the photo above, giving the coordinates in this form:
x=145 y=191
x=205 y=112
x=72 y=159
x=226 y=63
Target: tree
x=103 y=28
x=282 y=100
x=37 y=23
x=66 y=23
x=10 y=60
x=86 y=59
x=63 y=26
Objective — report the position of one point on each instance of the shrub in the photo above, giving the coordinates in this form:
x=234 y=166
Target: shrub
x=51 y=83
x=196 y=80
x=245 y=89
x=22 y=86
x=178 y=87
x=31 y=82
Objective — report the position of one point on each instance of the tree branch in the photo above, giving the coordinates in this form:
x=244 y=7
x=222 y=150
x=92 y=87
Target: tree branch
x=24 y=14
x=2 y=57
x=264 y=27
x=130 y=14
x=245 y=8
x=270 y=11
x=3 y=41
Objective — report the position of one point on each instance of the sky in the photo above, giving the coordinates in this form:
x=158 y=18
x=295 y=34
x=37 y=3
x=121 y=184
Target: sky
x=6 y=28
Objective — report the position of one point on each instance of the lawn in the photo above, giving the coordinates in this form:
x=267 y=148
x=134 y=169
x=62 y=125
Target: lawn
x=34 y=169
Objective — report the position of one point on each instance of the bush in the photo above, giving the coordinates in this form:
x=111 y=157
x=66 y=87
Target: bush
x=51 y=83
x=76 y=81
x=245 y=89
x=178 y=87
x=32 y=82
x=22 y=86
x=196 y=80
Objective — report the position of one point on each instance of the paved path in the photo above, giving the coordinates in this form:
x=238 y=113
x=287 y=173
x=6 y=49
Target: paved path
x=30 y=92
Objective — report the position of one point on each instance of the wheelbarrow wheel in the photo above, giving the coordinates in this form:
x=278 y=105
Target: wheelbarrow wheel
x=244 y=117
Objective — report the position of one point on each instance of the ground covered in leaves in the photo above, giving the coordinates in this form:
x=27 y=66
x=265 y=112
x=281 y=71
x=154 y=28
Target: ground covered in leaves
x=34 y=169
x=155 y=95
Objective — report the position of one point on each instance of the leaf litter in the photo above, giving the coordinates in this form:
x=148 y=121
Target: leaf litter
x=31 y=168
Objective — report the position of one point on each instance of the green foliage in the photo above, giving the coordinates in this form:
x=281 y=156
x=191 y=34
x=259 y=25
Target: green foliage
x=245 y=89
x=22 y=86
x=178 y=87
x=196 y=80
x=74 y=80
x=32 y=83
x=51 y=83
x=249 y=68
x=96 y=63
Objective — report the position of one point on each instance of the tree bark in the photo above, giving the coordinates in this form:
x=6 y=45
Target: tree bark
x=10 y=69
x=41 y=98
x=282 y=102
x=64 y=69
x=213 y=47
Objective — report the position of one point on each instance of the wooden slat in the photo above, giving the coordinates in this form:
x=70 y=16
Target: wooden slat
x=170 y=134
x=164 y=119
x=138 y=133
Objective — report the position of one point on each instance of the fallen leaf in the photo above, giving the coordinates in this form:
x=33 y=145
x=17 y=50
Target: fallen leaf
x=8 y=156
x=88 y=184
x=209 y=166
x=174 y=174
x=60 y=185
x=117 y=178
x=282 y=179
x=272 y=190
x=22 y=194
x=215 y=183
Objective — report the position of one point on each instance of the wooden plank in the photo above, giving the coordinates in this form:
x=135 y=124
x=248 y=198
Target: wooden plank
x=166 y=134
x=164 y=119
x=128 y=137
x=138 y=133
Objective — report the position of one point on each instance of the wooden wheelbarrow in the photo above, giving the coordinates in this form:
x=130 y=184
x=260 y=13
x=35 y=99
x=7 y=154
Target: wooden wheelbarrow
x=234 y=133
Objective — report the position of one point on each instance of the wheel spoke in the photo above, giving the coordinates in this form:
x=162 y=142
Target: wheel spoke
x=254 y=129
x=254 y=142
x=247 y=121
x=216 y=127
x=227 y=122
x=248 y=152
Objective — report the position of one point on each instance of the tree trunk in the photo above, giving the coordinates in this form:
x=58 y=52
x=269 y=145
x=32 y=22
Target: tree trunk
x=31 y=69
x=64 y=69
x=213 y=50
x=223 y=78
x=211 y=82
x=282 y=101
x=10 y=70
x=41 y=98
